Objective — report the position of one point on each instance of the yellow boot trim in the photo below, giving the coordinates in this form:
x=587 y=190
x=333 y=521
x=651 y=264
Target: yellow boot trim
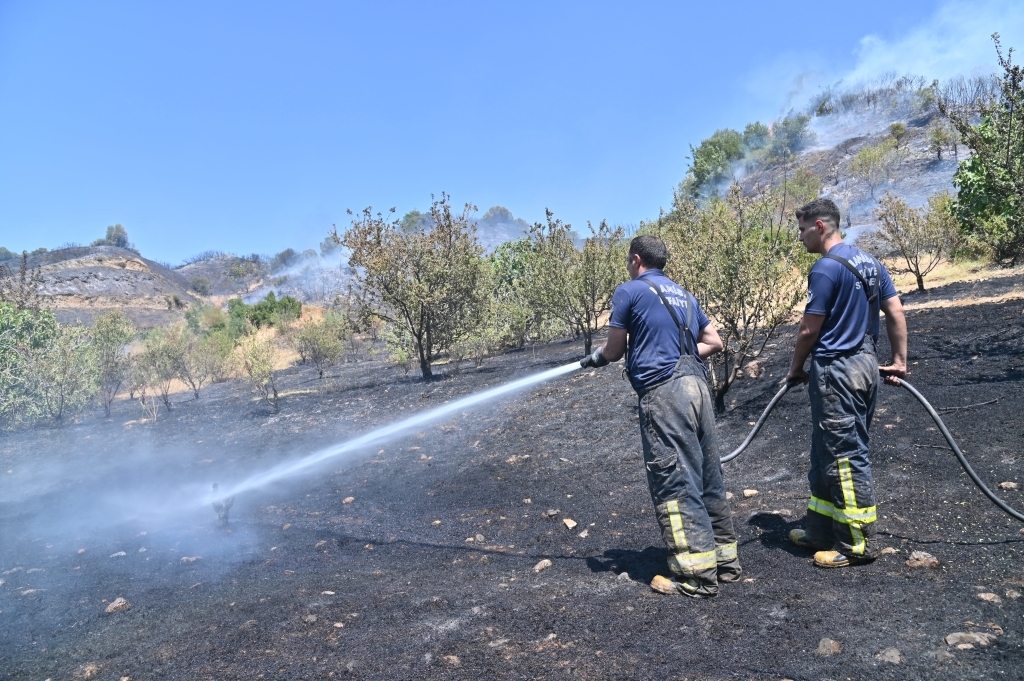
x=726 y=552
x=692 y=563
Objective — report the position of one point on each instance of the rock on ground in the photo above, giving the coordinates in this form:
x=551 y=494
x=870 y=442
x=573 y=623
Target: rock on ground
x=980 y=638
x=922 y=559
x=117 y=605
x=828 y=647
x=890 y=655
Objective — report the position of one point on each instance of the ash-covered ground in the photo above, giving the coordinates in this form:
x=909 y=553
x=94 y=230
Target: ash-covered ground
x=416 y=559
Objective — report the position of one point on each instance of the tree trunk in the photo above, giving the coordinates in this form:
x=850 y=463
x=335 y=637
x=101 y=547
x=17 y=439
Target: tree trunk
x=720 y=400
x=920 y=282
x=425 y=367
x=588 y=340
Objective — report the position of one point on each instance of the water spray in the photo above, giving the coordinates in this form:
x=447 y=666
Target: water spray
x=378 y=435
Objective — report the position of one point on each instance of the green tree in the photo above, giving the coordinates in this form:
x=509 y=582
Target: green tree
x=711 y=161
x=258 y=356
x=938 y=139
x=574 y=285
x=513 y=317
x=201 y=285
x=322 y=341
x=873 y=164
x=62 y=374
x=426 y=279
x=745 y=266
x=117 y=236
x=788 y=136
x=990 y=184
x=160 y=362
x=111 y=334
x=22 y=332
x=756 y=136
x=897 y=131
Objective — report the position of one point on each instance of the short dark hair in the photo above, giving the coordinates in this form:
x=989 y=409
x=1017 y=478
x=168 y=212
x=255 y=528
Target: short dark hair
x=651 y=249
x=819 y=209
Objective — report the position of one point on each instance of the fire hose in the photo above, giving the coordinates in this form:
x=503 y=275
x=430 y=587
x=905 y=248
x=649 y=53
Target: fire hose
x=1002 y=505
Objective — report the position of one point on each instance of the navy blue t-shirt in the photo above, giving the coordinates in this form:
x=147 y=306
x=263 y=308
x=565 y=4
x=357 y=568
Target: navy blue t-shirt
x=653 y=348
x=834 y=291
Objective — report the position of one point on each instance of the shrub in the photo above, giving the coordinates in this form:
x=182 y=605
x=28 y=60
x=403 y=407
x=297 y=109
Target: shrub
x=201 y=285
x=258 y=356
x=62 y=374
x=111 y=334
x=322 y=342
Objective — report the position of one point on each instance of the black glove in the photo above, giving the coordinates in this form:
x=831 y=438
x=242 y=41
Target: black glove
x=595 y=359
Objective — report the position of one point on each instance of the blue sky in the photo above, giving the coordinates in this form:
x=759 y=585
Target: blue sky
x=251 y=127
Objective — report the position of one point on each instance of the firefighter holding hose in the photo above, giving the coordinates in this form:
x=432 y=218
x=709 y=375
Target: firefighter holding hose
x=839 y=330
x=668 y=335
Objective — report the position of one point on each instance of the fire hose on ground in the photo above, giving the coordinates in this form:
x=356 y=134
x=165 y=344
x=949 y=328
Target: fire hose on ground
x=1002 y=505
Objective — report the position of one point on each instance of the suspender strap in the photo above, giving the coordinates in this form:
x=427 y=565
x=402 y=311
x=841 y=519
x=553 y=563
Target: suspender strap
x=870 y=291
x=686 y=344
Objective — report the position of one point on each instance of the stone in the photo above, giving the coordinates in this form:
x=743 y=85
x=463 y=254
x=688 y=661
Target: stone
x=326 y=593
x=81 y=551
x=584 y=534
x=569 y=522
x=749 y=493
x=89 y=671
x=990 y=598
x=1007 y=485
x=827 y=647
x=117 y=605
x=922 y=559
x=190 y=559
x=623 y=577
x=480 y=538
x=888 y=551
x=1012 y=594
x=309 y=619
x=322 y=542
x=890 y=655
x=348 y=500
x=550 y=513
x=729 y=495
x=782 y=512
x=286 y=526
x=527 y=501
x=339 y=625
x=436 y=523
x=972 y=638
x=542 y=565
x=964 y=646
x=452 y=660
x=940 y=655
x=118 y=554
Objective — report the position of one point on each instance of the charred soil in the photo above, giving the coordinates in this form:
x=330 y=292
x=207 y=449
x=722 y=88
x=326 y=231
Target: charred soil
x=416 y=559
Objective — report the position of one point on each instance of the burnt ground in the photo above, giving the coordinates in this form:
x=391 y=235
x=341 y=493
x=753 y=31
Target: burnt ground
x=302 y=585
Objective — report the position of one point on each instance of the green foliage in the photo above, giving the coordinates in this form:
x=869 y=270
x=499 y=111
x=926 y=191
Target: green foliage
x=284 y=259
x=756 y=136
x=873 y=164
x=164 y=352
x=201 y=285
x=897 y=131
x=328 y=246
x=322 y=341
x=788 y=136
x=22 y=332
x=513 y=319
x=744 y=264
x=62 y=374
x=990 y=184
x=924 y=237
x=7 y=254
x=111 y=334
x=712 y=160
x=258 y=355
x=116 y=236
x=938 y=139
x=427 y=279
x=575 y=286
x=271 y=311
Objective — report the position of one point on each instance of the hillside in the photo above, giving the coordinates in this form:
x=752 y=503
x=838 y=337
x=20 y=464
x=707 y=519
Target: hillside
x=81 y=282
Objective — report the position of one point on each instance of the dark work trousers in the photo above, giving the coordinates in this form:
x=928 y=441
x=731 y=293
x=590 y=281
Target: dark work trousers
x=684 y=474
x=841 y=514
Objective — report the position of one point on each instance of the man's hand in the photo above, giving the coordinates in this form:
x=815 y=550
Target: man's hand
x=595 y=359
x=893 y=373
x=797 y=376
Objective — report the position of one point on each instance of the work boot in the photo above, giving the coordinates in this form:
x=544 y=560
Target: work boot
x=729 y=572
x=799 y=538
x=687 y=586
x=834 y=559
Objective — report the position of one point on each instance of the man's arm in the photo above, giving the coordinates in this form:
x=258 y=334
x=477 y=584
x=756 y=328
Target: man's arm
x=615 y=347
x=709 y=342
x=806 y=337
x=896 y=328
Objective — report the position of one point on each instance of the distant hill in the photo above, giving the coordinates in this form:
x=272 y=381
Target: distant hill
x=81 y=282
